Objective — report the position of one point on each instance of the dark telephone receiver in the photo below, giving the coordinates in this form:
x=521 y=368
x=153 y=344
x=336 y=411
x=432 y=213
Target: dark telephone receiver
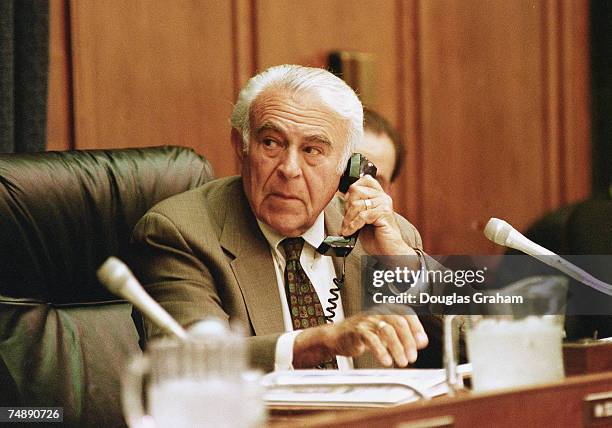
x=358 y=166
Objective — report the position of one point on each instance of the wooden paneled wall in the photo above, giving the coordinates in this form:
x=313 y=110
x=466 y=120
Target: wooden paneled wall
x=59 y=100
x=491 y=96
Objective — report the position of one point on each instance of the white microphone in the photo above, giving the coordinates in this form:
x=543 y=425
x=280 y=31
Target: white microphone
x=118 y=278
x=503 y=234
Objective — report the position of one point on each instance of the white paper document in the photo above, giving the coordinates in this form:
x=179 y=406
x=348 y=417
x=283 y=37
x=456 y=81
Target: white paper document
x=352 y=388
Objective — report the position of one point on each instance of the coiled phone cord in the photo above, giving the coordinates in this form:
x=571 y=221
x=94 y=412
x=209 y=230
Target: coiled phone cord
x=335 y=291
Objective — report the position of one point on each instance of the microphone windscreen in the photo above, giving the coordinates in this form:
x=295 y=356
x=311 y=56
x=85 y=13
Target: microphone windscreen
x=497 y=231
x=114 y=274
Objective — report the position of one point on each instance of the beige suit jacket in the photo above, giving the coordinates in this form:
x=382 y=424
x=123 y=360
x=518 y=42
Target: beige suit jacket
x=201 y=254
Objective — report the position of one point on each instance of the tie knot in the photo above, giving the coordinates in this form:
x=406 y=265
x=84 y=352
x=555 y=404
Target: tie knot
x=293 y=247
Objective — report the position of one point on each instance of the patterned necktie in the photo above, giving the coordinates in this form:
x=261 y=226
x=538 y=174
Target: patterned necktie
x=304 y=304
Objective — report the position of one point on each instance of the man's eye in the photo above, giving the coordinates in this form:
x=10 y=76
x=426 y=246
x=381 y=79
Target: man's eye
x=270 y=143
x=311 y=150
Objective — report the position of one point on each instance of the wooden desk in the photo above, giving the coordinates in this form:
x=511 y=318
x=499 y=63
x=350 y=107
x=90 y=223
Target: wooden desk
x=587 y=357
x=559 y=404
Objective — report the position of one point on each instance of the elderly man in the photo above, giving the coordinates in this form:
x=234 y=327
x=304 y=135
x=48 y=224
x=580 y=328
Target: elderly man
x=242 y=249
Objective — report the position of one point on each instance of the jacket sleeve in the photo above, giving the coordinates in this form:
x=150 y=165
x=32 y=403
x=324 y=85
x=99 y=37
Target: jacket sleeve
x=183 y=284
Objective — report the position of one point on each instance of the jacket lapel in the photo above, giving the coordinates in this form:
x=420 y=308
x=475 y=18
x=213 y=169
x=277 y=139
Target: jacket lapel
x=253 y=266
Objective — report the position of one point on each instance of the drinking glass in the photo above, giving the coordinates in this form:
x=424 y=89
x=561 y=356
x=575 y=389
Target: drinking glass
x=201 y=381
x=513 y=344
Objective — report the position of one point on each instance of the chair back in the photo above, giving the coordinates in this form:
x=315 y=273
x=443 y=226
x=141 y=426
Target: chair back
x=64 y=338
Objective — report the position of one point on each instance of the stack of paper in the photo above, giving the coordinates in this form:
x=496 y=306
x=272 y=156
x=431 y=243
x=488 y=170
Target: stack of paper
x=352 y=388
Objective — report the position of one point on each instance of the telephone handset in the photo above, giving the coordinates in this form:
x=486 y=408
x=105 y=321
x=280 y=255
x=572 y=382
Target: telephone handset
x=358 y=166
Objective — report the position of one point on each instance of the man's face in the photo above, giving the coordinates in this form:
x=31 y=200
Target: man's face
x=379 y=149
x=290 y=173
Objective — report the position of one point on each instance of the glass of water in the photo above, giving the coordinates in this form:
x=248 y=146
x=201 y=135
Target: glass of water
x=515 y=344
x=202 y=381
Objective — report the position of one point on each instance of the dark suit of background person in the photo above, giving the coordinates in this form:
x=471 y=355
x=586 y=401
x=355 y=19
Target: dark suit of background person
x=202 y=253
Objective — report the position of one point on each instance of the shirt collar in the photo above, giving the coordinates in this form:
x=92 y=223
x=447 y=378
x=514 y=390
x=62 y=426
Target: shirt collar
x=313 y=236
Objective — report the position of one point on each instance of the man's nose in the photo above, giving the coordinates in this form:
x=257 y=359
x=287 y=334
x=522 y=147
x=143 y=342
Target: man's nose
x=290 y=166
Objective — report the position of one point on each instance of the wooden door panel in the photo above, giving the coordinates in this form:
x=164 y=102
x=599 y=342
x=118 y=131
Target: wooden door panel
x=151 y=73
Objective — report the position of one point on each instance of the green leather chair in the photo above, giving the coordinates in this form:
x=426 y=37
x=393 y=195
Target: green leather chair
x=63 y=338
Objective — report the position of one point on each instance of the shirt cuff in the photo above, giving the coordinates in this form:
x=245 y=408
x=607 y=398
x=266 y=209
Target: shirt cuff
x=283 y=357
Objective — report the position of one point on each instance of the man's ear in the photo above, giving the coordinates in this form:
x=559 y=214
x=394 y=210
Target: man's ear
x=238 y=144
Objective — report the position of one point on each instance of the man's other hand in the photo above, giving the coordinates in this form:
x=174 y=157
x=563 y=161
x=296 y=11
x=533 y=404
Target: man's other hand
x=393 y=339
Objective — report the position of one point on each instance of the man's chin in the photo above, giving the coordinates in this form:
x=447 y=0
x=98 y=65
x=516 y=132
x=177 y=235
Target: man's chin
x=288 y=218
x=288 y=229
x=289 y=225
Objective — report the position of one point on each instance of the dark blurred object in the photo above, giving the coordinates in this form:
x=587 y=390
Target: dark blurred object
x=24 y=65
x=582 y=228
x=358 y=70
x=601 y=94
x=579 y=229
x=63 y=337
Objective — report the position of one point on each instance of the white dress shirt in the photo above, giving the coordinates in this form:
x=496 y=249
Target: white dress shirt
x=320 y=271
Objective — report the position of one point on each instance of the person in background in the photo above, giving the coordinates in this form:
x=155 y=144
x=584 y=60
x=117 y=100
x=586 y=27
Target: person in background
x=382 y=145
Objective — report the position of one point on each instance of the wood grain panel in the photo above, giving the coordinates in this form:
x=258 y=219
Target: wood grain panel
x=149 y=73
x=59 y=99
x=575 y=67
x=554 y=166
x=566 y=81
x=244 y=41
x=410 y=180
x=490 y=118
x=243 y=31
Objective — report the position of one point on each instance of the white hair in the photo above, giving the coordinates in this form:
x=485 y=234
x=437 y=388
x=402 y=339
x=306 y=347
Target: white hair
x=330 y=89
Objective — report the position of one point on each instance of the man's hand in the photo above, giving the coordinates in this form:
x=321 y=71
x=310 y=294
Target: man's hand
x=393 y=339
x=370 y=208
